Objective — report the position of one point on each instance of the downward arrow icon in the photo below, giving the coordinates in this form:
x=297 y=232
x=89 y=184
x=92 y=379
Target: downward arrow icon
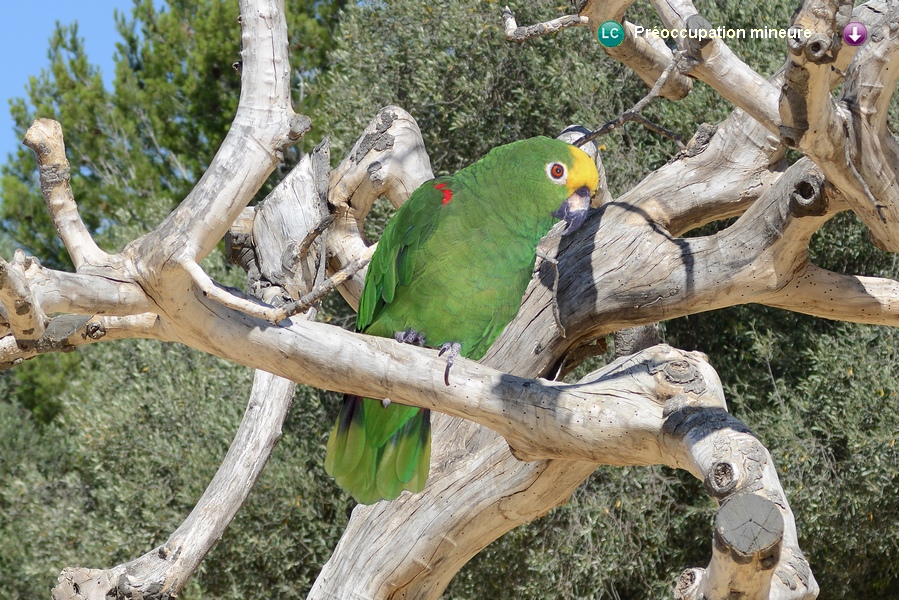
x=855 y=33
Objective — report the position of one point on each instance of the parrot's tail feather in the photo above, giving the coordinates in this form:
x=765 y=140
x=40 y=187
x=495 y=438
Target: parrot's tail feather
x=377 y=451
x=347 y=441
x=413 y=447
x=405 y=454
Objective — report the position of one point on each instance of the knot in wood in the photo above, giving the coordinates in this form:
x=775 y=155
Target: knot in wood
x=299 y=125
x=373 y=141
x=807 y=199
x=698 y=28
x=22 y=307
x=378 y=140
x=797 y=569
x=53 y=175
x=674 y=404
x=700 y=140
x=791 y=136
x=95 y=330
x=688 y=583
x=721 y=480
x=26 y=345
x=376 y=175
x=816 y=48
x=678 y=371
x=681 y=373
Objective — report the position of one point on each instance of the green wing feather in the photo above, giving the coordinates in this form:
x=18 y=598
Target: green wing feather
x=394 y=260
x=346 y=444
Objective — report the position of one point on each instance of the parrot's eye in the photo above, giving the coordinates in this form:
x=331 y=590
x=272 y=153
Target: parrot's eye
x=557 y=172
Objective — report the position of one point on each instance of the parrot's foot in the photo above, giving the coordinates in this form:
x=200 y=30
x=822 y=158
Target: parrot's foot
x=452 y=349
x=410 y=336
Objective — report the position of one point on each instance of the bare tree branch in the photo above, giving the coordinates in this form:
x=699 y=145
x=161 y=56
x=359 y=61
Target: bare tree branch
x=633 y=114
x=65 y=333
x=853 y=147
x=830 y=295
x=716 y=65
x=45 y=138
x=264 y=125
x=514 y=33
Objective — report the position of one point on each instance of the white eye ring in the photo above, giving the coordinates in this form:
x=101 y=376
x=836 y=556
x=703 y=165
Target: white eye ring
x=557 y=173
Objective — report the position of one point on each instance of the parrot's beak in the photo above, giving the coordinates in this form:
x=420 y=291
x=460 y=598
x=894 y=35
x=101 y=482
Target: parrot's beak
x=574 y=209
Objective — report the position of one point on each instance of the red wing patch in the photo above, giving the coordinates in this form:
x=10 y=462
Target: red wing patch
x=447 y=193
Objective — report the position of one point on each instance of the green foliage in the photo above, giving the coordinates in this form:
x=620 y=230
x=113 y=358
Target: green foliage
x=618 y=537
x=292 y=520
x=842 y=469
x=37 y=384
x=143 y=428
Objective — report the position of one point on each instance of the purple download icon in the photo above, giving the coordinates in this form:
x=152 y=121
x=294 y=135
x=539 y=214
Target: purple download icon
x=855 y=34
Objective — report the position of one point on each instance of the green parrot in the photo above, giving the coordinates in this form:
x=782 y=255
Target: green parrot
x=449 y=272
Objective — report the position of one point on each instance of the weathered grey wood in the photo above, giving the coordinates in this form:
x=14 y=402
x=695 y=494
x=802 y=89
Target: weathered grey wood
x=718 y=66
x=514 y=33
x=281 y=224
x=56 y=176
x=750 y=525
x=849 y=138
x=633 y=339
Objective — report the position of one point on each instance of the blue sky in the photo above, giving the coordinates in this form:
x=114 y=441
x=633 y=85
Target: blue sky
x=24 y=33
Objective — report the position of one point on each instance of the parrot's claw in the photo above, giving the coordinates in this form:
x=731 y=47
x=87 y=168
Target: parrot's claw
x=452 y=349
x=410 y=336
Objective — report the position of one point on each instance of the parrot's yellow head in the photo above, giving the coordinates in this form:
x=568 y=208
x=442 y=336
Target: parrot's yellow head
x=542 y=176
x=579 y=176
x=577 y=172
